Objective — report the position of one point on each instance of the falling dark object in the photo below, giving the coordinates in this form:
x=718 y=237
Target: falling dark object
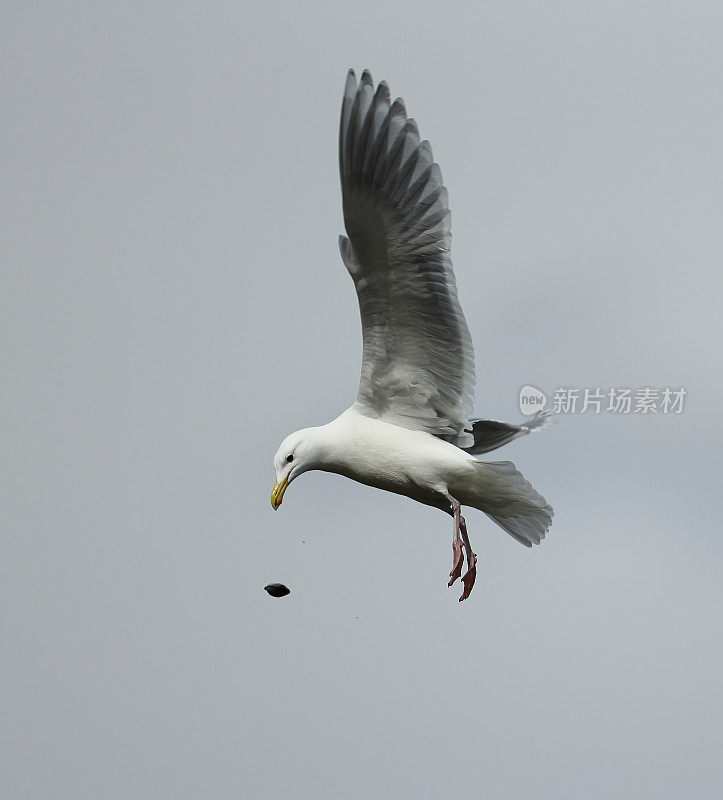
x=277 y=589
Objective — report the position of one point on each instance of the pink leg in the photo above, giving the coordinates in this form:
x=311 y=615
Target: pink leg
x=457 y=555
x=469 y=577
x=458 y=541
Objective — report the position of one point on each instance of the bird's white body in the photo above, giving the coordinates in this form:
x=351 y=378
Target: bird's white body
x=406 y=462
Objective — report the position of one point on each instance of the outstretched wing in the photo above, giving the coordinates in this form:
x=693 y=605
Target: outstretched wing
x=418 y=361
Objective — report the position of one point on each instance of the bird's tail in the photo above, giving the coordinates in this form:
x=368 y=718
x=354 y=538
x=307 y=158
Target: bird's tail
x=511 y=501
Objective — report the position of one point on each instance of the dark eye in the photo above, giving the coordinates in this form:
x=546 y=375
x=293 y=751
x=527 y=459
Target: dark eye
x=290 y=458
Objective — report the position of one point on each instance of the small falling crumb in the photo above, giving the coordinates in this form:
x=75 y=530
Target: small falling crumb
x=277 y=589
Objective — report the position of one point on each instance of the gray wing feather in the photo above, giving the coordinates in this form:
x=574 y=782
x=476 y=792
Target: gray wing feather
x=418 y=360
x=489 y=434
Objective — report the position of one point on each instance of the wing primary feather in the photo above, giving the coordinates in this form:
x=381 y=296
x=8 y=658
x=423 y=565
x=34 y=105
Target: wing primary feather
x=379 y=113
x=360 y=145
x=344 y=127
x=395 y=141
x=416 y=189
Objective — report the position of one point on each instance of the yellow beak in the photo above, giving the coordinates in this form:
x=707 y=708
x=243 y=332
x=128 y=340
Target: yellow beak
x=277 y=495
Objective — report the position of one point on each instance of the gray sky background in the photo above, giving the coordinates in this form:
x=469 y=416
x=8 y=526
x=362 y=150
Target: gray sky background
x=173 y=305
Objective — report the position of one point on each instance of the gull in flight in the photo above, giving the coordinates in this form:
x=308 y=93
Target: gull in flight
x=410 y=430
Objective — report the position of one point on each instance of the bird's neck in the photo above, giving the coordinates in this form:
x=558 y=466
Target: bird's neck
x=334 y=444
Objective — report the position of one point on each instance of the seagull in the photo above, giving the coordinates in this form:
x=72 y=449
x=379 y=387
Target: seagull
x=410 y=430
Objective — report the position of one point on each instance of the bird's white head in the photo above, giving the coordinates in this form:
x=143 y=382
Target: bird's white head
x=298 y=453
